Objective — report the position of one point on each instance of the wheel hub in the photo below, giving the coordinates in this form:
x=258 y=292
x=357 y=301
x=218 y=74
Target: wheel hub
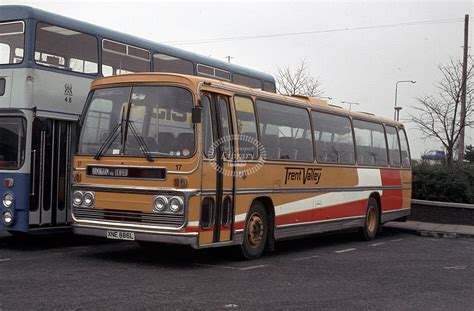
x=255 y=230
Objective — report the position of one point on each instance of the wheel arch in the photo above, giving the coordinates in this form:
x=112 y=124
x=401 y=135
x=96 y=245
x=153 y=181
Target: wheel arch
x=270 y=209
x=378 y=199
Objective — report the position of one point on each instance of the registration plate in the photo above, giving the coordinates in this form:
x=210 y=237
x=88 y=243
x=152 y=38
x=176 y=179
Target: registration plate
x=120 y=235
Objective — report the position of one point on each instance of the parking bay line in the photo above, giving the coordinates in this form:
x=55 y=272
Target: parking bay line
x=377 y=244
x=345 y=250
x=231 y=268
x=4 y=259
x=396 y=240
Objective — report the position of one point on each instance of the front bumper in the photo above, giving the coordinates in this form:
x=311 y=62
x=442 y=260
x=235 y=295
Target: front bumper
x=183 y=238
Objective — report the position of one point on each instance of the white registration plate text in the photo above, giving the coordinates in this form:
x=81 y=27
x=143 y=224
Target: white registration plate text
x=120 y=235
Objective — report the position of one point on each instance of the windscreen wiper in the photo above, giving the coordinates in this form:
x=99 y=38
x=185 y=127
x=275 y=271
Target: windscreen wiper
x=108 y=141
x=141 y=142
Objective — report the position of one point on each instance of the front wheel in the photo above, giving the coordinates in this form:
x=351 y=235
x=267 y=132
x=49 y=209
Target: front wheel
x=256 y=232
x=372 y=221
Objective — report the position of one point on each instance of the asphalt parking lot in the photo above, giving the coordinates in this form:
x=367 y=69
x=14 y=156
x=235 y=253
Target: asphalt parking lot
x=397 y=271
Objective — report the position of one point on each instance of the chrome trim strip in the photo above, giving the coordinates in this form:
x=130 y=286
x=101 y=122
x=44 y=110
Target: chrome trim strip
x=195 y=168
x=124 y=226
x=115 y=188
x=397 y=210
x=217 y=244
x=307 y=190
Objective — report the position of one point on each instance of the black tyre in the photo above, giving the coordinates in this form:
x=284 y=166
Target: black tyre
x=255 y=232
x=372 y=221
x=18 y=233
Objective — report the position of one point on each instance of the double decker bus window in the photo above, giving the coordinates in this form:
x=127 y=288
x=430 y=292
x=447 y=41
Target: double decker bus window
x=247 y=81
x=269 y=87
x=370 y=143
x=247 y=127
x=285 y=132
x=333 y=138
x=12 y=142
x=66 y=49
x=120 y=58
x=393 y=146
x=12 y=41
x=167 y=63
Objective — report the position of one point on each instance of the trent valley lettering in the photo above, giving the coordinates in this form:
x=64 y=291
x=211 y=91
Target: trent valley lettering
x=300 y=174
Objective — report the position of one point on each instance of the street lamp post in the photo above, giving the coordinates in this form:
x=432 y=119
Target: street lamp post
x=350 y=104
x=396 y=113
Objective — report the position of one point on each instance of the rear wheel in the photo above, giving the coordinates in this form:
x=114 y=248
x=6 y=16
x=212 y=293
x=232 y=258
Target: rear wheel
x=255 y=232
x=372 y=221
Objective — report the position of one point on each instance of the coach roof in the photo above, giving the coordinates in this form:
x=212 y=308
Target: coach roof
x=195 y=81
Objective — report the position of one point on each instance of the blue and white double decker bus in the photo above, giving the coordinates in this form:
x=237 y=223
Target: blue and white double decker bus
x=47 y=63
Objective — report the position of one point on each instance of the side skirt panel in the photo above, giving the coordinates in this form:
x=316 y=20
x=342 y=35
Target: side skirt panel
x=308 y=228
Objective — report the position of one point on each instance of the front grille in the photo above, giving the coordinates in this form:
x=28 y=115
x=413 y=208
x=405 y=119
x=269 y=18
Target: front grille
x=167 y=220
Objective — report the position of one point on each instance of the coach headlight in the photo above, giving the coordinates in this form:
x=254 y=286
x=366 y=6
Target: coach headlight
x=7 y=200
x=8 y=217
x=160 y=203
x=77 y=198
x=176 y=204
x=88 y=199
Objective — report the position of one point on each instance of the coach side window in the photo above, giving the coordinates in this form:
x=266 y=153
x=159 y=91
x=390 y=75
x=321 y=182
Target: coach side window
x=333 y=138
x=120 y=58
x=247 y=127
x=370 y=143
x=285 y=132
x=393 y=146
x=207 y=133
x=404 y=147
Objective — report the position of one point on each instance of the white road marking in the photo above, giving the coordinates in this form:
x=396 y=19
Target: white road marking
x=345 y=250
x=252 y=267
x=377 y=244
x=231 y=305
x=306 y=258
x=456 y=268
x=230 y=268
x=396 y=240
x=4 y=259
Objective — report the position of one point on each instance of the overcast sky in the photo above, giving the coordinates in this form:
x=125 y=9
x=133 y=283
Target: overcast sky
x=358 y=66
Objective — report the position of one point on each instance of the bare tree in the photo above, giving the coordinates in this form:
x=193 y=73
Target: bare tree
x=299 y=81
x=437 y=116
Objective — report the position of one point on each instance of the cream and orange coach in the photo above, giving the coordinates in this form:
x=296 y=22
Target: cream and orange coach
x=190 y=160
